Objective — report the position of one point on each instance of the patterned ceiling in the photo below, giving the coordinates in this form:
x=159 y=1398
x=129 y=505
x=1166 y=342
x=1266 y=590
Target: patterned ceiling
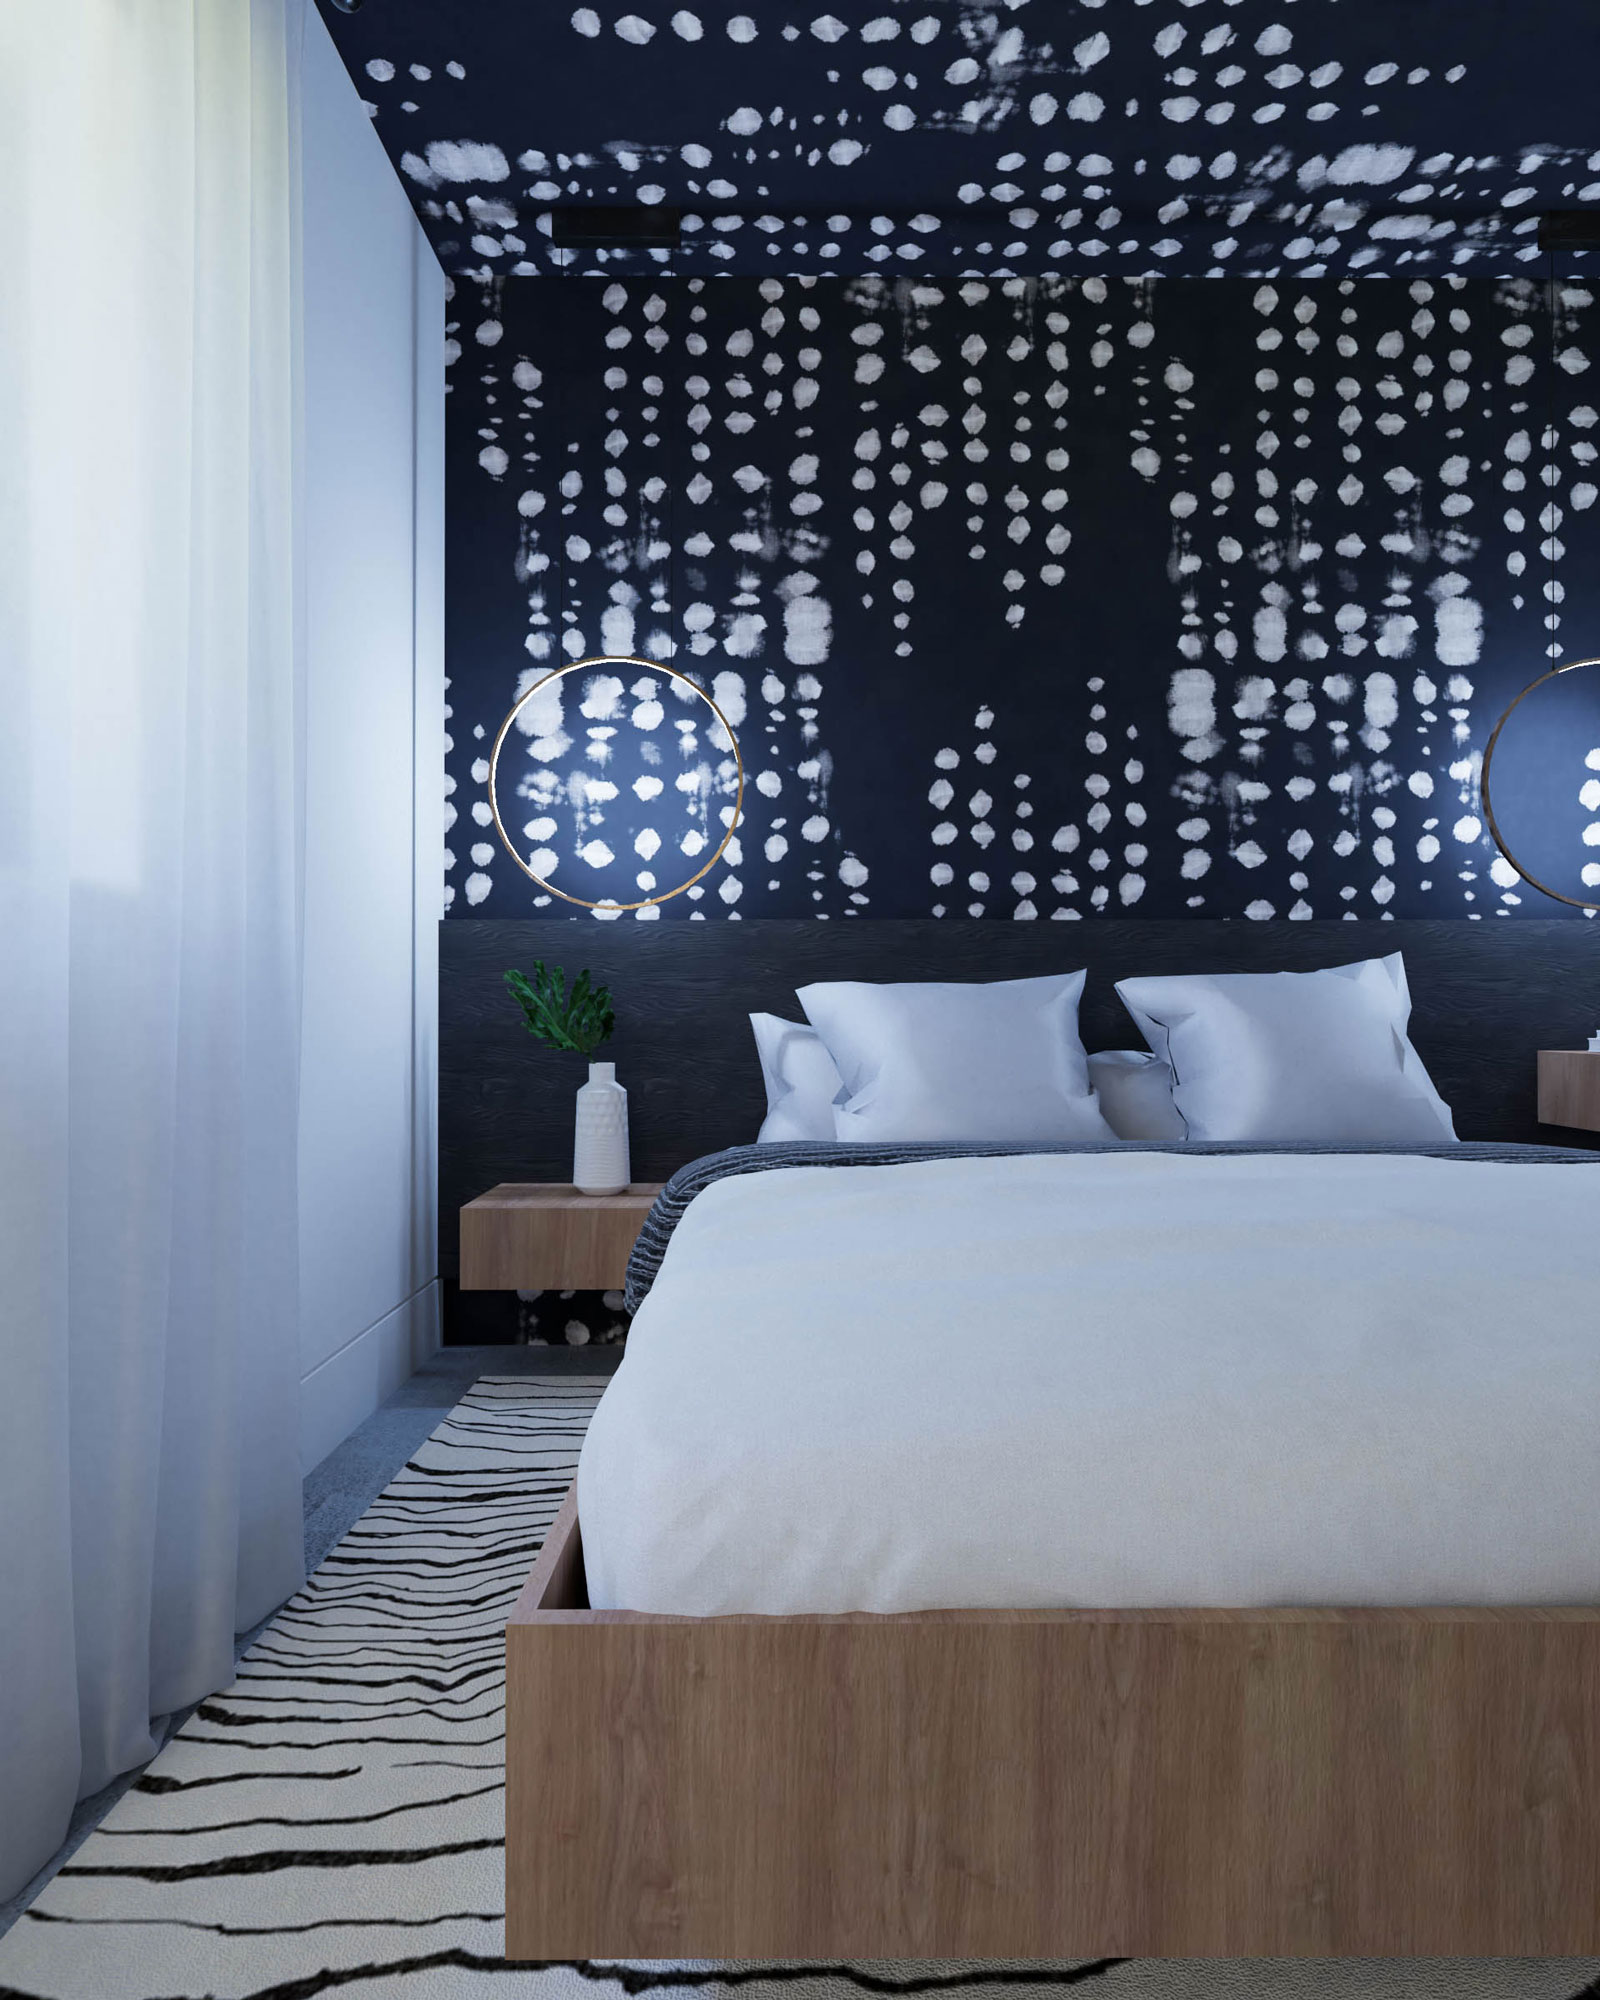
x=1114 y=137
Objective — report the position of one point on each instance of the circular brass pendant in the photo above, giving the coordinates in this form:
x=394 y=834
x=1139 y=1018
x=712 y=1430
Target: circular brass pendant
x=579 y=666
x=1573 y=902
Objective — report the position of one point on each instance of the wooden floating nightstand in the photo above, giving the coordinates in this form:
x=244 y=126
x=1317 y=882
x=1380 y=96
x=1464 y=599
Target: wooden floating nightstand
x=1569 y=1088
x=546 y=1236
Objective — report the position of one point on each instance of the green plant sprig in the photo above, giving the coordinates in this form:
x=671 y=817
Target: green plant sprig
x=578 y=1021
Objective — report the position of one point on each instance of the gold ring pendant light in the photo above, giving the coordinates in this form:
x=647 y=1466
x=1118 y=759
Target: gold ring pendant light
x=1555 y=673
x=1574 y=902
x=580 y=666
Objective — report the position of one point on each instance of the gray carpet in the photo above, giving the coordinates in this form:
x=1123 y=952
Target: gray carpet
x=348 y=1480
x=337 y=1493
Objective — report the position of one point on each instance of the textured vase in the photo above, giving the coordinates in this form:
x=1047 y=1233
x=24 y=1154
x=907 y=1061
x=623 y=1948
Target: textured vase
x=600 y=1141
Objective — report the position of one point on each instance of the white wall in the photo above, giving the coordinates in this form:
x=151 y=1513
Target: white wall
x=374 y=513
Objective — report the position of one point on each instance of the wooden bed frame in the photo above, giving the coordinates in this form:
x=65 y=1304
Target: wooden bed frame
x=990 y=1784
x=1047 y=1784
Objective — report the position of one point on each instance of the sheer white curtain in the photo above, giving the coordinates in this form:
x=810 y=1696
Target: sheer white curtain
x=149 y=927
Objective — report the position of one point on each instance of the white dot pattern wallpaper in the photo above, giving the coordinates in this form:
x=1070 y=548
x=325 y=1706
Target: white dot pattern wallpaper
x=1028 y=598
x=1100 y=455
x=1194 y=137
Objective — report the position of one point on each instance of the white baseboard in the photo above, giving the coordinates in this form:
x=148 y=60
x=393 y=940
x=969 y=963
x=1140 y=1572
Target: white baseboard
x=344 y=1390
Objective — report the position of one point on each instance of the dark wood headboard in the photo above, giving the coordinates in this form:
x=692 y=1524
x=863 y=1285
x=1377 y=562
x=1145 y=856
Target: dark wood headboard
x=1485 y=996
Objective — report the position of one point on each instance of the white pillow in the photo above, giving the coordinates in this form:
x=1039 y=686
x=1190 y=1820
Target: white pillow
x=1293 y=1055
x=800 y=1077
x=1135 y=1093
x=999 y=1062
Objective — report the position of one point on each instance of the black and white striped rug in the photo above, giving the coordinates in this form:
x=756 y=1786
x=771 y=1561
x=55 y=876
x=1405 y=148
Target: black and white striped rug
x=332 y=1822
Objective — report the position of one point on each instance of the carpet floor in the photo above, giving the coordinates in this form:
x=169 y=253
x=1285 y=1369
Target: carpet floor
x=333 y=1821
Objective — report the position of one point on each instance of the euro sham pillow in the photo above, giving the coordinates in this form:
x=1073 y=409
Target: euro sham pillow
x=998 y=1063
x=1134 y=1089
x=1293 y=1056
x=801 y=1080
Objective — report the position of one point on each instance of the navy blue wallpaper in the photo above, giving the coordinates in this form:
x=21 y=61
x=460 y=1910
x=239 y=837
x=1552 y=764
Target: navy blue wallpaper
x=1102 y=456
x=1027 y=598
x=1307 y=137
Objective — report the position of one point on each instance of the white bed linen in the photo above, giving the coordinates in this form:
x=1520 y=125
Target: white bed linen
x=1131 y=1379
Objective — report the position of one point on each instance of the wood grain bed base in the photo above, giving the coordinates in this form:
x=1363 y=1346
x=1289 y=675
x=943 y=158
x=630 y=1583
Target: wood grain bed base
x=1010 y=1784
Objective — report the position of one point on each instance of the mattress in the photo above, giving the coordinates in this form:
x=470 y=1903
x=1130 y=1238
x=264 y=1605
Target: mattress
x=1124 y=1378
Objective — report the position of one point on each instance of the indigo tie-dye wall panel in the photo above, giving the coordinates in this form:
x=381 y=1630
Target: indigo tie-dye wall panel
x=1104 y=456
x=1194 y=137
x=1028 y=598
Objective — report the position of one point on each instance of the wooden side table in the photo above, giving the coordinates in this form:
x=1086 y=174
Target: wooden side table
x=1569 y=1088
x=546 y=1236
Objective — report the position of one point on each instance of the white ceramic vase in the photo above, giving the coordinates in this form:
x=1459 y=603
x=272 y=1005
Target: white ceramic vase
x=600 y=1140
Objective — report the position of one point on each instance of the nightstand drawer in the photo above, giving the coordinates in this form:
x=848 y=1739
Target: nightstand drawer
x=1569 y=1088
x=539 y=1236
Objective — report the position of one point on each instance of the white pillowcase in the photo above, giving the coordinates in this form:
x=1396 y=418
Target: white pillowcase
x=1135 y=1093
x=997 y=1063
x=1313 y=1056
x=801 y=1080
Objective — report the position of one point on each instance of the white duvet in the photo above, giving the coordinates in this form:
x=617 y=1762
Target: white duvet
x=1134 y=1379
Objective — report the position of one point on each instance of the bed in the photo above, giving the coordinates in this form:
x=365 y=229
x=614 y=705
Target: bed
x=1040 y=1735
x=847 y=1646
